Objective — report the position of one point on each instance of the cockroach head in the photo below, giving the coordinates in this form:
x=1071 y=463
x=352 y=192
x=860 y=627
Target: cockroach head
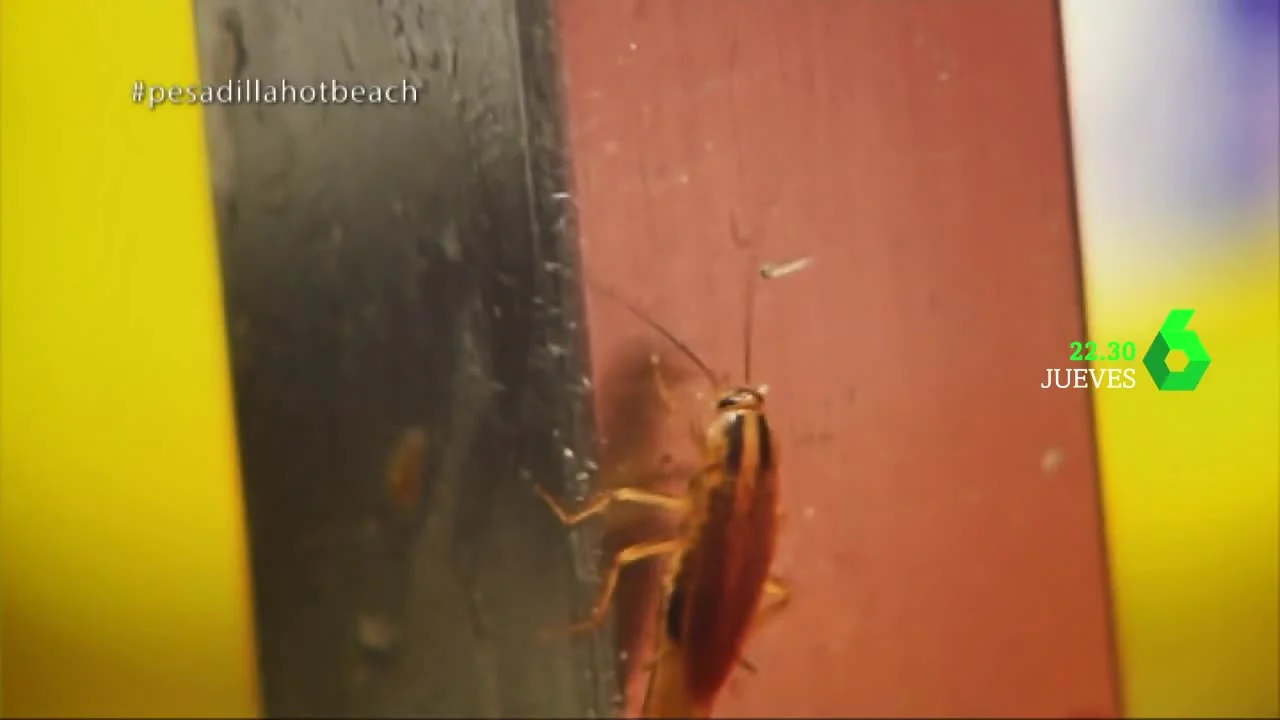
x=743 y=398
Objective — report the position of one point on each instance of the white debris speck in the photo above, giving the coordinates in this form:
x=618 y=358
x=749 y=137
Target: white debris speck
x=450 y=244
x=770 y=271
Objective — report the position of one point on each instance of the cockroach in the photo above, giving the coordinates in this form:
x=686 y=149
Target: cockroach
x=722 y=554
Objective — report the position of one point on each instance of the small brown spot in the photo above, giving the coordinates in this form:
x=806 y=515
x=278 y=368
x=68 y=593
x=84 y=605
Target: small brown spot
x=236 y=54
x=404 y=471
x=377 y=634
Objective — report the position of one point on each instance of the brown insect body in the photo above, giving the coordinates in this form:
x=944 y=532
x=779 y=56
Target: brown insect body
x=721 y=558
x=718 y=580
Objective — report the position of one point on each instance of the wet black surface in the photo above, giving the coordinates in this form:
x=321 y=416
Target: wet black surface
x=396 y=267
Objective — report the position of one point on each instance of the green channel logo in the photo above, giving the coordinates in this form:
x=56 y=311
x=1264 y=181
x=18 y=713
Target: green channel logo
x=1174 y=335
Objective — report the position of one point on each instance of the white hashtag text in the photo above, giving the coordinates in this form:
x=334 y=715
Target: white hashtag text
x=254 y=91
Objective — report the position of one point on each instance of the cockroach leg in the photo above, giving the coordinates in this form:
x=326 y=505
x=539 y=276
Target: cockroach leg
x=660 y=385
x=697 y=434
x=667 y=397
x=604 y=499
x=777 y=591
x=776 y=597
x=652 y=662
x=624 y=558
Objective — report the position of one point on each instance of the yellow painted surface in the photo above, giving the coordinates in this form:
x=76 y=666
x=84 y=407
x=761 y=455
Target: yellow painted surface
x=1192 y=491
x=1172 y=113
x=125 y=589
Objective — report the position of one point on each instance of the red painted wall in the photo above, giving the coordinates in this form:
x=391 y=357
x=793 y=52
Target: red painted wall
x=943 y=537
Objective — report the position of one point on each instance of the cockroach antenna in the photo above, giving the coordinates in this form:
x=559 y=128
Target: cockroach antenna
x=749 y=301
x=658 y=328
